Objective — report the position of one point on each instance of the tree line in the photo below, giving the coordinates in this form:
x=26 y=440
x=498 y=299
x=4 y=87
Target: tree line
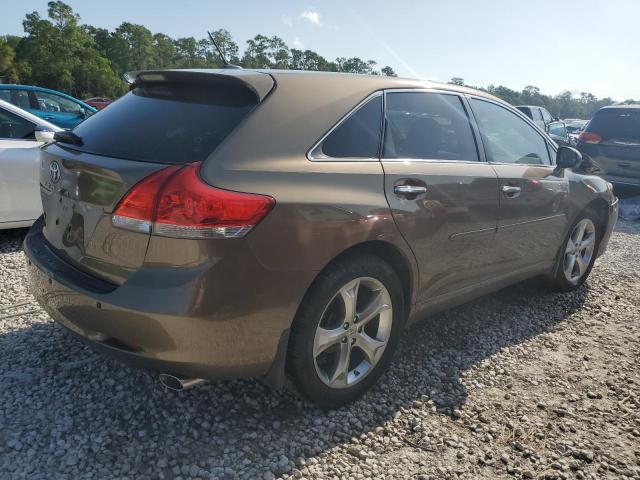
x=59 y=52
x=563 y=105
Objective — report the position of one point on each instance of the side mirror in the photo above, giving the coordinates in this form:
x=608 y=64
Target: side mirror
x=568 y=157
x=43 y=134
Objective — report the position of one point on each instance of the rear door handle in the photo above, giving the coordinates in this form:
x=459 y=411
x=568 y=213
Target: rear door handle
x=409 y=189
x=510 y=191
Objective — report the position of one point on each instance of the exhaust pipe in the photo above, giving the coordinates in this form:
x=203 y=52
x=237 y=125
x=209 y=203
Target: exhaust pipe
x=174 y=382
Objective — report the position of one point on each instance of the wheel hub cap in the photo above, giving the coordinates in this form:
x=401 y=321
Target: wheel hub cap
x=579 y=250
x=353 y=332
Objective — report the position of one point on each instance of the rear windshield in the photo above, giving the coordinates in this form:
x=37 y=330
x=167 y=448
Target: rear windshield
x=621 y=124
x=166 y=123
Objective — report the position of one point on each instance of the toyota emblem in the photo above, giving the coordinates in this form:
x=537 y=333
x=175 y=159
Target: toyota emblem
x=54 y=171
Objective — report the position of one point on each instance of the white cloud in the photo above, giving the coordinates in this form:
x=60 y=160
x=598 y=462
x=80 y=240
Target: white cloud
x=297 y=43
x=313 y=17
x=288 y=21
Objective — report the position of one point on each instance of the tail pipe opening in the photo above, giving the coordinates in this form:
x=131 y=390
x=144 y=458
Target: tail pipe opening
x=174 y=382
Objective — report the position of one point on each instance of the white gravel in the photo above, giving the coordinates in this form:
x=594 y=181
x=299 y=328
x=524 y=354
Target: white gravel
x=520 y=384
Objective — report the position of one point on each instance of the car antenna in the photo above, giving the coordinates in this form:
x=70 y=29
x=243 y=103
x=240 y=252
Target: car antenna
x=225 y=64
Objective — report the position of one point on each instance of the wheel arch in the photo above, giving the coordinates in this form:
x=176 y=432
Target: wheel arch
x=392 y=255
x=600 y=208
x=388 y=252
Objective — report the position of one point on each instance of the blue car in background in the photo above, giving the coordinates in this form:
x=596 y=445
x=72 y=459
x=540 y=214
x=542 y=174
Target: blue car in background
x=55 y=107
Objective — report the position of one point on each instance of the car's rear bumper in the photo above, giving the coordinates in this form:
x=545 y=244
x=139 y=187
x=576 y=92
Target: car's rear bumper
x=122 y=321
x=612 y=219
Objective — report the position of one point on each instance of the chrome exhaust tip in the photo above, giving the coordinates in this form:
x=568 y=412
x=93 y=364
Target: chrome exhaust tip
x=176 y=383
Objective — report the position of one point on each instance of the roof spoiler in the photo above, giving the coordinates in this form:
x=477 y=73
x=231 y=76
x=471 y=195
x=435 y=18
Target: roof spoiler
x=259 y=83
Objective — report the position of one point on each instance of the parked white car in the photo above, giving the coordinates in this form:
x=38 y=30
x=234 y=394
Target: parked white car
x=21 y=135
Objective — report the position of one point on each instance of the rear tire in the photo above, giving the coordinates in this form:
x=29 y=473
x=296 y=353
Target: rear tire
x=578 y=253
x=346 y=330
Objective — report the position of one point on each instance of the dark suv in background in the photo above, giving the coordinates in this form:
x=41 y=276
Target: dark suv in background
x=612 y=141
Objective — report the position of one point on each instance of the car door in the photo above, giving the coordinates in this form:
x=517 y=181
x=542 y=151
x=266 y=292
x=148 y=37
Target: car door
x=443 y=196
x=19 y=164
x=533 y=195
x=59 y=110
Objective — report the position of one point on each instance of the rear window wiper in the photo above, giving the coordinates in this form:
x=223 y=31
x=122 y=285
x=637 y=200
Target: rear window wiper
x=66 y=136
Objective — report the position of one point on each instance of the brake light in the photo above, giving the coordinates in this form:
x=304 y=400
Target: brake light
x=589 y=137
x=175 y=202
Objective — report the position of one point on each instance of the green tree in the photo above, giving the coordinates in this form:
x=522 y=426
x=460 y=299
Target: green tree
x=266 y=52
x=8 y=70
x=388 y=71
x=164 y=51
x=355 y=65
x=307 y=60
x=131 y=48
x=188 y=54
x=457 y=81
x=59 y=54
x=225 y=42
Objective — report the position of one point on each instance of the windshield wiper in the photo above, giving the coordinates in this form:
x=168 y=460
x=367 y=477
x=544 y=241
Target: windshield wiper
x=66 y=136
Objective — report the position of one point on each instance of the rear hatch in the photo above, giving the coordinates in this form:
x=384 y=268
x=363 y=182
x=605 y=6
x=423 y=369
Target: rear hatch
x=168 y=118
x=612 y=139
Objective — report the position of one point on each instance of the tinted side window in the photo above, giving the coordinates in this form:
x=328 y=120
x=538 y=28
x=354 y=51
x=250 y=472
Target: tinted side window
x=5 y=95
x=507 y=138
x=15 y=127
x=358 y=136
x=428 y=126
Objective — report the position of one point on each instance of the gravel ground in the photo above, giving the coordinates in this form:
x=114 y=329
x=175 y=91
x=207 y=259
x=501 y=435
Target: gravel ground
x=520 y=384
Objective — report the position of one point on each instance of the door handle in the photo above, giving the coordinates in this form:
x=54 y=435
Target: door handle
x=409 y=189
x=511 y=191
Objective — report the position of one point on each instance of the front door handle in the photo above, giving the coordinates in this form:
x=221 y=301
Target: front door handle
x=409 y=189
x=510 y=191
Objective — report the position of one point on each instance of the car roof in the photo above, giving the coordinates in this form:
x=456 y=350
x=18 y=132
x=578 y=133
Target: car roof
x=28 y=116
x=255 y=78
x=632 y=106
x=12 y=86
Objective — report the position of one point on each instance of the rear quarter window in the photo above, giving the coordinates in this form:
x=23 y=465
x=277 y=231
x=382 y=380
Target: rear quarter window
x=357 y=136
x=166 y=123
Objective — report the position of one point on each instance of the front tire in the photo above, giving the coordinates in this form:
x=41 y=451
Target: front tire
x=346 y=330
x=578 y=253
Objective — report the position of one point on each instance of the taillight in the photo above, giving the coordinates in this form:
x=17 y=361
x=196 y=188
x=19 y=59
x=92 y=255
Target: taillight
x=589 y=137
x=175 y=202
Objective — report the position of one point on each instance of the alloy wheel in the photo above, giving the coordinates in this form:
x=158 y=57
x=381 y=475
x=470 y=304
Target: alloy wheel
x=353 y=332
x=579 y=250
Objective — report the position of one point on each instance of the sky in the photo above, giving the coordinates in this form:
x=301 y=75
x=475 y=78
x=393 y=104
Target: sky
x=556 y=45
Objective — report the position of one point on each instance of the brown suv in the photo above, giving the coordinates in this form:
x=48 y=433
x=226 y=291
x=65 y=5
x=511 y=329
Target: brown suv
x=288 y=225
